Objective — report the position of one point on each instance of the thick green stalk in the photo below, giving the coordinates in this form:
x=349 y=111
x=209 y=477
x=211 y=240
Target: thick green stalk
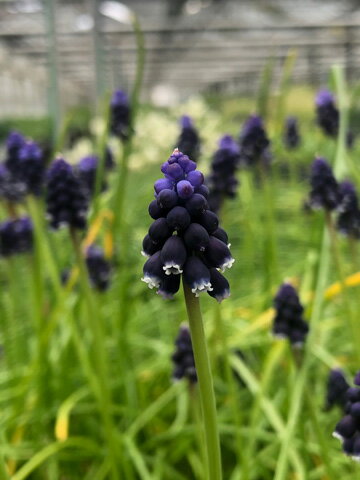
x=207 y=397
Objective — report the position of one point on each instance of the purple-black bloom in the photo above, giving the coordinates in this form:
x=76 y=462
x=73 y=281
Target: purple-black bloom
x=120 y=115
x=16 y=236
x=291 y=135
x=189 y=141
x=66 y=198
x=348 y=429
x=99 y=268
x=324 y=187
x=11 y=189
x=254 y=142
x=179 y=241
x=337 y=386
x=14 y=143
x=86 y=170
x=31 y=167
x=183 y=357
x=288 y=320
x=348 y=220
x=222 y=180
x=327 y=113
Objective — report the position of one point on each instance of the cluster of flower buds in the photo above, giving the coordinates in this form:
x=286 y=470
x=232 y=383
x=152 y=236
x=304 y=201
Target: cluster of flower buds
x=31 y=167
x=337 y=386
x=66 y=198
x=222 y=180
x=185 y=238
x=86 y=171
x=348 y=220
x=99 y=268
x=120 y=115
x=288 y=321
x=325 y=192
x=16 y=236
x=254 y=142
x=327 y=113
x=183 y=357
x=348 y=429
x=14 y=143
x=291 y=135
x=189 y=141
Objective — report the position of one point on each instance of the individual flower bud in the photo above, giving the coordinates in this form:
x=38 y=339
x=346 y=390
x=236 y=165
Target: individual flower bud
x=324 y=188
x=209 y=220
x=162 y=184
x=167 y=199
x=218 y=255
x=221 y=235
x=173 y=255
x=288 y=321
x=254 y=143
x=183 y=357
x=357 y=378
x=337 y=387
x=352 y=394
x=196 y=178
x=345 y=428
x=31 y=167
x=66 y=199
x=155 y=211
x=327 y=113
x=184 y=189
x=197 y=275
x=348 y=221
x=221 y=287
x=291 y=136
x=178 y=218
x=186 y=164
x=99 y=268
x=16 y=236
x=120 y=115
x=196 y=204
x=169 y=286
x=355 y=410
x=153 y=271
x=196 y=237
x=203 y=190
x=189 y=140
x=149 y=247
x=174 y=172
x=159 y=230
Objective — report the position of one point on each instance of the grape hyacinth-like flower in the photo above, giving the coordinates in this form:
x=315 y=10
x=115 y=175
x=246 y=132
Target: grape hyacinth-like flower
x=11 y=189
x=31 y=167
x=291 y=135
x=288 y=321
x=185 y=238
x=14 y=143
x=66 y=199
x=99 y=268
x=324 y=187
x=120 y=115
x=16 y=236
x=348 y=429
x=327 y=113
x=337 y=386
x=183 y=357
x=189 y=141
x=254 y=142
x=86 y=171
x=222 y=180
x=348 y=220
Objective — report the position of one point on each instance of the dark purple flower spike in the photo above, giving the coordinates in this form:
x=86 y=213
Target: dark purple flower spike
x=324 y=187
x=16 y=236
x=120 y=115
x=337 y=386
x=254 y=143
x=180 y=241
x=183 y=357
x=189 y=141
x=291 y=135
x=327 y=113
x=99 y=268
x=348 y=220
x=66 y=198
x=288 y=321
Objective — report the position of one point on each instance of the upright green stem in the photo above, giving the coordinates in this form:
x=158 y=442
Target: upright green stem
x=207 y=397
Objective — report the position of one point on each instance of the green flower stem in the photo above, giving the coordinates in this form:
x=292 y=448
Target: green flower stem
x=207 y=397
x=347 y=301
x=99 y=353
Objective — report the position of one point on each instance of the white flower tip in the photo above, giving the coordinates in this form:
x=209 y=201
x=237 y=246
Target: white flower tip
x=227 y=264
x=338 y=436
